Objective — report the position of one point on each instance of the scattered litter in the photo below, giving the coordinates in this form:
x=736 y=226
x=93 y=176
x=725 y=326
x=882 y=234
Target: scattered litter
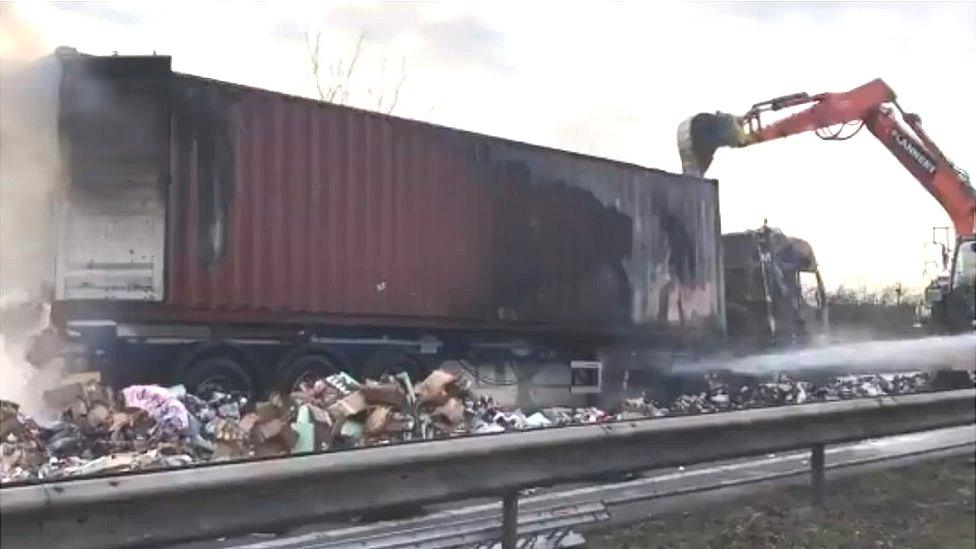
x=538 y=420
x=148 y=426
x=344 y=383
x=169 y=412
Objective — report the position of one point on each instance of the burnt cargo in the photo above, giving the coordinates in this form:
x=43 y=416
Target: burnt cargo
x=194 y=200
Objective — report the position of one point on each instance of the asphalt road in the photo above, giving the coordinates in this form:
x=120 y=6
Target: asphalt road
x=651 y=493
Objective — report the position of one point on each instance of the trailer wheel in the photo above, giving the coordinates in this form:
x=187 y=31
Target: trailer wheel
x=220 y=374
x=304 y=368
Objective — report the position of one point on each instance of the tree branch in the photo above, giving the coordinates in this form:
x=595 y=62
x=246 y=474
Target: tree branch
x=399 y=85
x=313 y=59
x=337 y=88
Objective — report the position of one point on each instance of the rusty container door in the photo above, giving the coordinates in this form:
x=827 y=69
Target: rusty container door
x=114 y=125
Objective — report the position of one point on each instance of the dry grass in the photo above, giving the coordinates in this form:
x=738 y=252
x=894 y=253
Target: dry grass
x=926 y=505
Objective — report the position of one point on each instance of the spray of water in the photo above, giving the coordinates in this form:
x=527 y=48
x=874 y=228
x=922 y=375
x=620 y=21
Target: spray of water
x=930 y=353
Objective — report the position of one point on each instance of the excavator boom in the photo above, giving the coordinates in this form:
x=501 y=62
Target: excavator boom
x=872 y=105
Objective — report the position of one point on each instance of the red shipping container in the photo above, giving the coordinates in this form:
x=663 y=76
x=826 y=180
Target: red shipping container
x=217 y=202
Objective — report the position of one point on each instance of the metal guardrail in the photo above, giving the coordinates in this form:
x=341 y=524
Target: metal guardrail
x=611 y=503
x=165 y=507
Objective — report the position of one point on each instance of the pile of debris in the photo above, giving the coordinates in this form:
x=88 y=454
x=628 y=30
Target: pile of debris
x=138 y=428
x=725 y=395
x=148 y=426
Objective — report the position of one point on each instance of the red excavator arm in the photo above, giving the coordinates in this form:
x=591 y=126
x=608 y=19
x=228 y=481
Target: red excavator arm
x=872 y=105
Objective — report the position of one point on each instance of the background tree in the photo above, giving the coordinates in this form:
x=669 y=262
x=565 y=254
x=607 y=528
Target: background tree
x=337 y=80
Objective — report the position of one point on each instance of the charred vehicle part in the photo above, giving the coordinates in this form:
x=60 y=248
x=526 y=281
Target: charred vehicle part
x=774 y=291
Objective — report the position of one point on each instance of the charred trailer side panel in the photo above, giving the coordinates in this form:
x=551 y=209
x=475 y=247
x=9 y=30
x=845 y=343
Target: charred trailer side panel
x=304 y=224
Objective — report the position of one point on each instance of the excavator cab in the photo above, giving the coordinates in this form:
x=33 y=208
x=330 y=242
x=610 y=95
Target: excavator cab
x=951 y=300
x=959 y=303
x=964 y=265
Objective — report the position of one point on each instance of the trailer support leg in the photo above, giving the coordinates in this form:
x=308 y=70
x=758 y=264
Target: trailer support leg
x=510 y=520
x=817 y=474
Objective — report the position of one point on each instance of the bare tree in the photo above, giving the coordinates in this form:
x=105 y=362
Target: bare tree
x=337 y=85
x=386 y=97
x=313 y=60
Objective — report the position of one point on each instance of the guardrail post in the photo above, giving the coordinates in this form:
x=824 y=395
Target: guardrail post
x=510 y=521
x=817 y=474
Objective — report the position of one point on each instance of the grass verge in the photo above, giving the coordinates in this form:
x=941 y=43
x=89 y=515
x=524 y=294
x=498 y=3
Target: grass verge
x=925 y=505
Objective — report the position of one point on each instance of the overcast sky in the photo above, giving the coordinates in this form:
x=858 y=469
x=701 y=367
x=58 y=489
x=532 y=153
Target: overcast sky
x=613 y=80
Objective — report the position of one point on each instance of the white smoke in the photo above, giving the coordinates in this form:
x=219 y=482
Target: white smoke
x=30 y=181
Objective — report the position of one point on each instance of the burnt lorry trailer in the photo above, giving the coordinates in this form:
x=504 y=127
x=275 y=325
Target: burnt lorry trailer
x=213 y=231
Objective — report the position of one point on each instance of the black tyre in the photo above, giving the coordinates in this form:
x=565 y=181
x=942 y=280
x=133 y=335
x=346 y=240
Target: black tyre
x=304 y=368
x=220 y=374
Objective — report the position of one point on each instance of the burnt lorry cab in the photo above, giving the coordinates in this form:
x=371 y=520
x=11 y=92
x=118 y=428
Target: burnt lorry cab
x=219 y=234
x=774 y=292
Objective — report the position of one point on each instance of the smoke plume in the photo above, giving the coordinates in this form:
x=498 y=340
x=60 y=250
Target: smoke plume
x=30 y=180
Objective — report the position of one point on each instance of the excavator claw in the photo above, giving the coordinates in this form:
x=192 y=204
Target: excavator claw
x=701 y=135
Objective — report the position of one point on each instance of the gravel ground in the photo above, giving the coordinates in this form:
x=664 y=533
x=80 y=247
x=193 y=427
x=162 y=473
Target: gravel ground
x=926 y=505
